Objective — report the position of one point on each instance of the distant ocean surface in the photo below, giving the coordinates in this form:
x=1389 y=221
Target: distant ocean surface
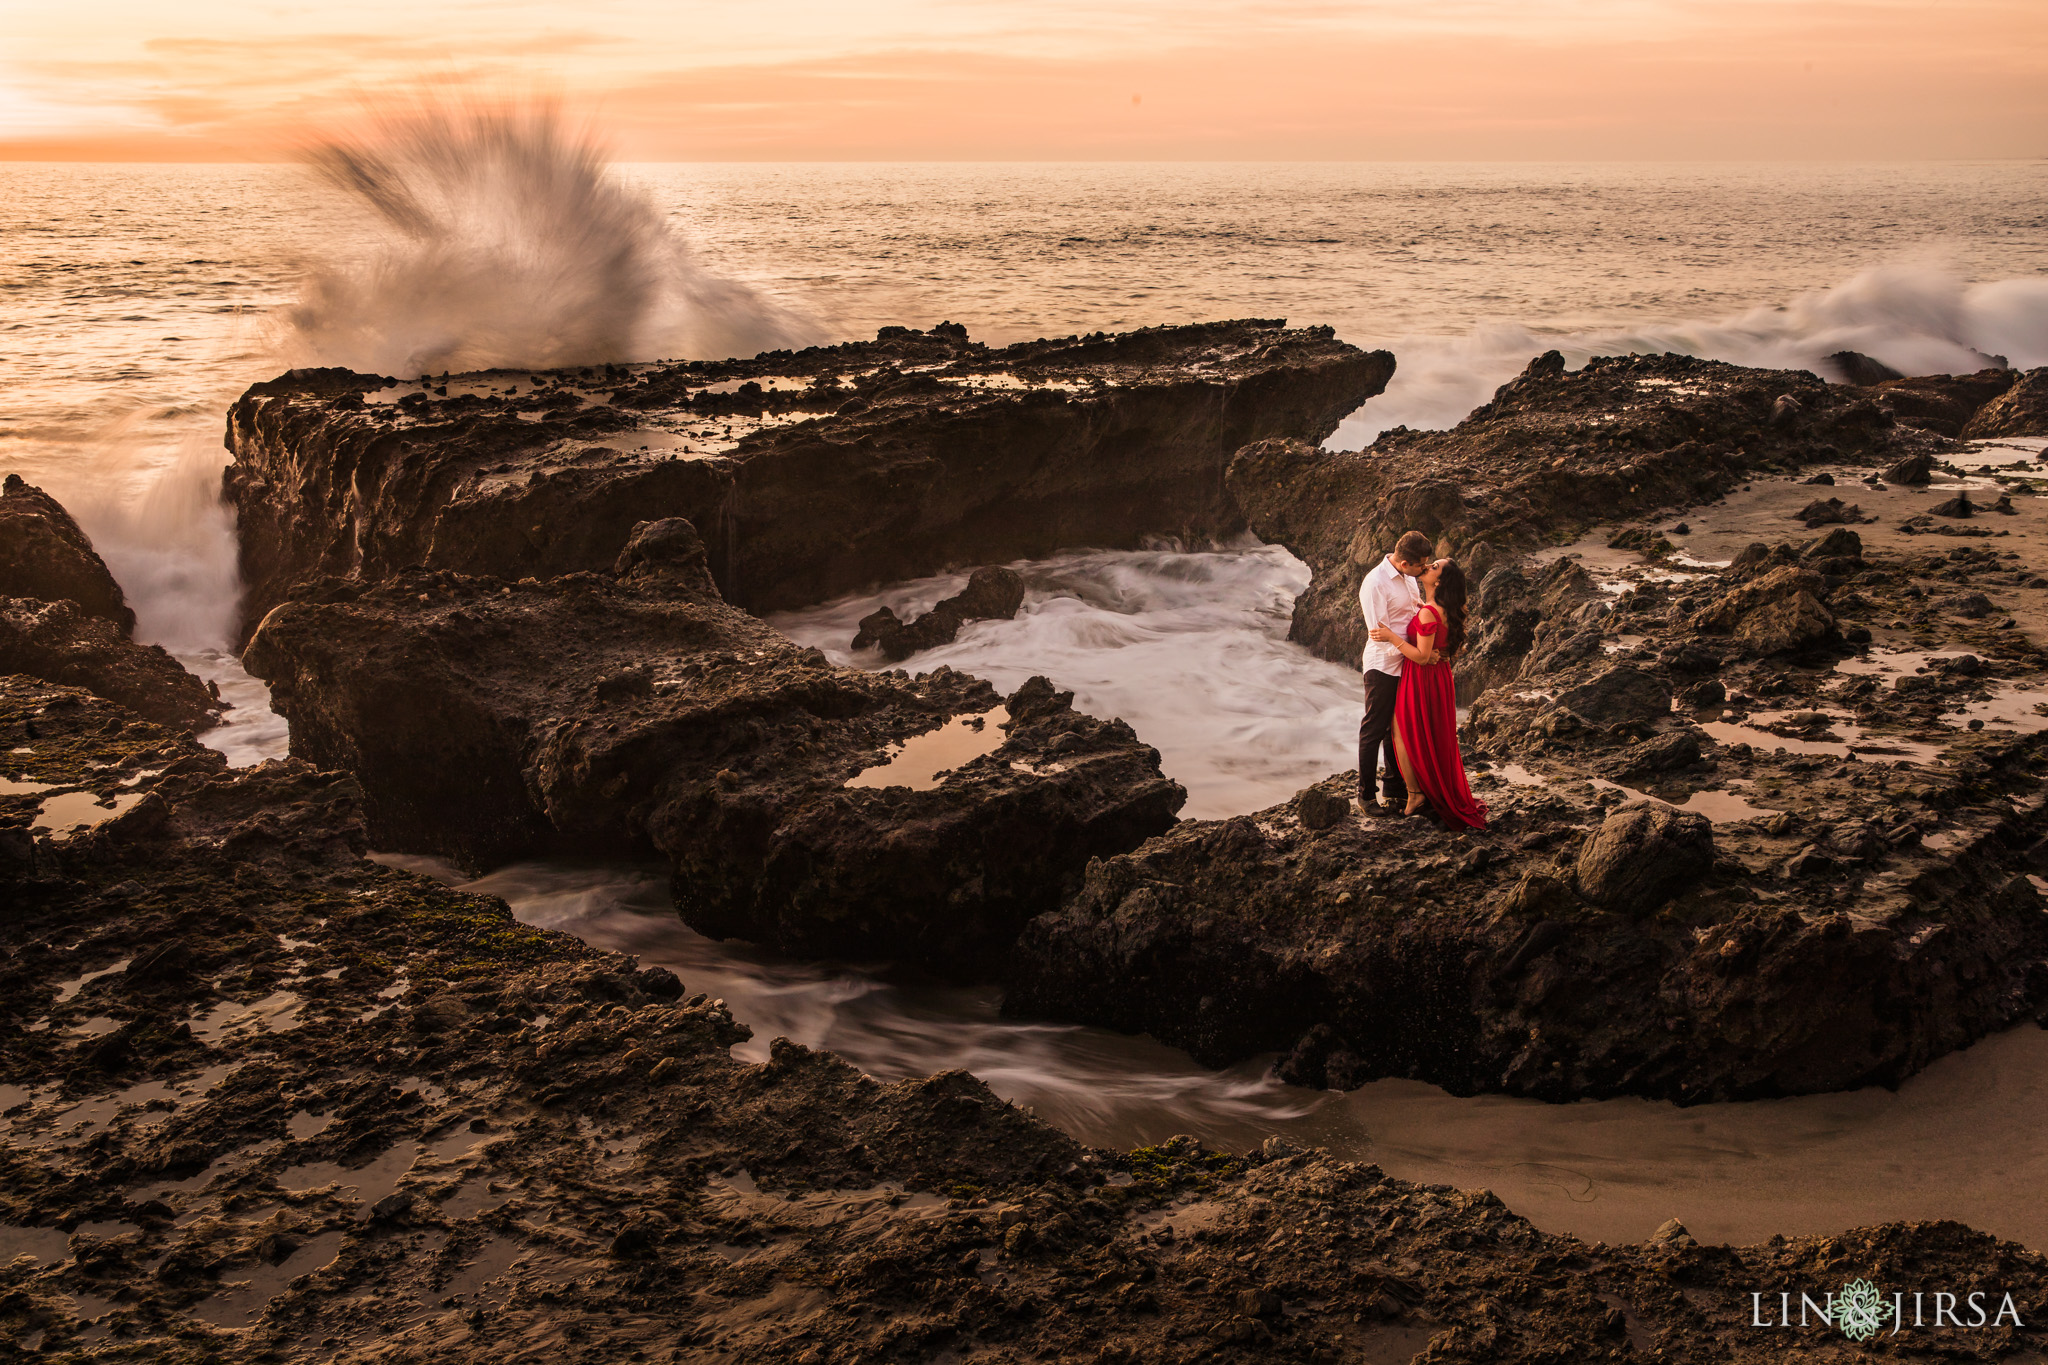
x=140 y=299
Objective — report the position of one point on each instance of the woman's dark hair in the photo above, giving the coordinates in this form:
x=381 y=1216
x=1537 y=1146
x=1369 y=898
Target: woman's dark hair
x=1450 y=599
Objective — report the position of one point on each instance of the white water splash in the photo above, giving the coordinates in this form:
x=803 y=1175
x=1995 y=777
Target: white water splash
x=1190 y=649
x=1916 y=319
x=503 y=240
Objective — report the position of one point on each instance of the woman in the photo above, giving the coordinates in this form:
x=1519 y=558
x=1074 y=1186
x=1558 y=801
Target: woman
x=1426 y=711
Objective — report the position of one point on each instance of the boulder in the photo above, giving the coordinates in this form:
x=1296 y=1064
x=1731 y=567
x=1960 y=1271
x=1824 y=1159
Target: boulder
x=61 y=643
x=991 y=594
x=1853 y=367
x=1828 y=511
x=1642 y=856
x=1786 y=580
x=1621 y=695
x=43 y=554
x=1942 y=403
x=1783 y=625
x=1837 y=544
x=1913 y=470
x=1957 y=506
x=2022 y=410
x=637 y=712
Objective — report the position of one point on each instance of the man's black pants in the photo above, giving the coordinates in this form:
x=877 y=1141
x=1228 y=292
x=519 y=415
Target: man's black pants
x=1376 y=734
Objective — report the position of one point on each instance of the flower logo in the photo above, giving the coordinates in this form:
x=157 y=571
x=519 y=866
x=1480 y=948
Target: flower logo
x=1859 y=1310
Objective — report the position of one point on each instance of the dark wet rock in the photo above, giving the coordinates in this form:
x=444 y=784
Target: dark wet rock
x=1828 y=511
x=488 y=720
x=1318 y=807
x=1942 y=403
x=1853 y=367
x=1711 y=692
x=44 y=555
x=2021 y=410
x=1641 y=857
x=1619 y=695
x=1823 y=479
x=1554 y=452
x=1786 y=411
x=62 y=643
x=991 y=594
x=810 y=473
x=1913 y=470
x=1957 y=506
x=1974 y=605
x=1838 y=544
x=1780 y=627
x=1567 y=951
x=1670 y=752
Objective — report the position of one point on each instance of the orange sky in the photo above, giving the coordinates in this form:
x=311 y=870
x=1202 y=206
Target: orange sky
x=1053 y=79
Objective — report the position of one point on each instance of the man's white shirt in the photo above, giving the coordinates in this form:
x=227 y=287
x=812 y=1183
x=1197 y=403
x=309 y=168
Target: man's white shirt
x=1388 y=597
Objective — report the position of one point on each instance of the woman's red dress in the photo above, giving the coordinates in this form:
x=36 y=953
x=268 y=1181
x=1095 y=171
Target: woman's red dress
x=1426 y=712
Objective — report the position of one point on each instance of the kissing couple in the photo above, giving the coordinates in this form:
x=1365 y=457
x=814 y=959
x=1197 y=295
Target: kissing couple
x=1415 y=606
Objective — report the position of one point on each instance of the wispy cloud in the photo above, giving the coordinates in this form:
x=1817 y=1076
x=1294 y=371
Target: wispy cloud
x=1057 y=78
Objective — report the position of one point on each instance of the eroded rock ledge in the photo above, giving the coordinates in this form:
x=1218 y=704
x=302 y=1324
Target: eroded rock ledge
x=635 y=711
x=345 y=1113
x=809 y=473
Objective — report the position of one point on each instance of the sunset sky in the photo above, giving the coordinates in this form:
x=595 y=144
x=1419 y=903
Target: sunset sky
x=1052 y=79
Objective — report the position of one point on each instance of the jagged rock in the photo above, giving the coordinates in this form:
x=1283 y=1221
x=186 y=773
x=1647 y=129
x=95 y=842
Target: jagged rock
x=44 y=555
x=1529 y=465
x=1621 y=695
x=1787 y=624
x=1320 y=808
x=1942 y=403
x=1784 y=581
x=1974 y=605
x=1641 y=857
x=1785 y=411
x=1838 y=544
x=1828 y=511
x=810 y=473
x=59 y=642
x=1666 y=753
x=1913 y=470
x=487 y=721
x=1853 y=367
x=991 y=594
x=2021 y=410
x=1823 y=479
x=1957 y=506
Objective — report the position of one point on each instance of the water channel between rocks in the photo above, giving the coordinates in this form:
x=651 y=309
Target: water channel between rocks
x=1191 y=650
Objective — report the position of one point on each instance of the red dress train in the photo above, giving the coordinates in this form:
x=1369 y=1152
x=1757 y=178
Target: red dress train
x=1426 y=713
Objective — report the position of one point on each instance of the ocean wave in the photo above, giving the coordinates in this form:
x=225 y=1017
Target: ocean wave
x=1916 y=319
x=502 y=239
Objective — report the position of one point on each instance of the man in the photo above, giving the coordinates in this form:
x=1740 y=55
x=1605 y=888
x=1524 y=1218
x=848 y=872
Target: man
x=1388 y=595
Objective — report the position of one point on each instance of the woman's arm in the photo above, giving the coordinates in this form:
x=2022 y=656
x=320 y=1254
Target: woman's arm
x=1424 y=650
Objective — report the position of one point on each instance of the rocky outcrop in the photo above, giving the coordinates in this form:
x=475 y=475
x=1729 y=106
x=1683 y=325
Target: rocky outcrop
x=809 y=473
x=1554 y=452
x=61 y=643
x=1563 y=954
x=1666 y=902
x=822 y=810
x=1942 y=403
x=340 y=1111
x=991 y=594
x=2021 y=410
x=44 y=555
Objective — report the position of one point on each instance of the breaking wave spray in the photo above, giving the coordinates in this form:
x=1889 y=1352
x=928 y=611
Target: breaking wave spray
x=501 y=239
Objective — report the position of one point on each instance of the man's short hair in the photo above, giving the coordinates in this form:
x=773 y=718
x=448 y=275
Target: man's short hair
x=1413 y=548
